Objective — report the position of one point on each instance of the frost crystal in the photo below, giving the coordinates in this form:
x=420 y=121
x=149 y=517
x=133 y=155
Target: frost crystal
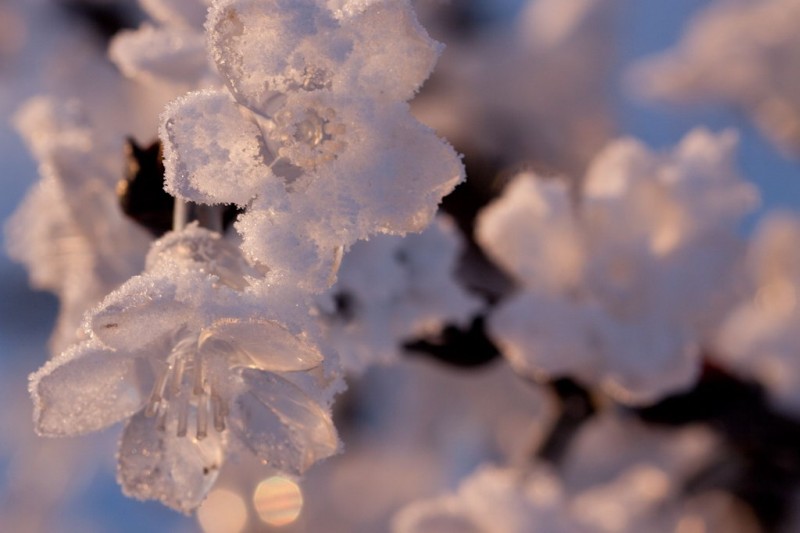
x=744 y=53
x=760 y=338
x=620 y=288
x=69 y=231
x=314 y=134
x=393 y=289
x=176 y=350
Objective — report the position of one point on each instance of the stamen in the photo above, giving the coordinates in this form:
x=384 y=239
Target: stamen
x=199 y=374
x=158 y=392
x=202 y=416
x=183 y=415
x=161 y=423
x=177 y=375
x=218 y=410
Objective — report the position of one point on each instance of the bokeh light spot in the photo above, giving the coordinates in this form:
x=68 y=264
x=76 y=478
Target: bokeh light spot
x=278 y=501
x=223 y=511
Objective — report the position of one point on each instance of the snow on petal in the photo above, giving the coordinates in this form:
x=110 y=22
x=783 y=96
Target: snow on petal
x=392 y=54
x=212 y=153
x=261 y=48
x=139 y=306
x=281 y=424
x=154 y=464
x=264 y=344
x=85 y=389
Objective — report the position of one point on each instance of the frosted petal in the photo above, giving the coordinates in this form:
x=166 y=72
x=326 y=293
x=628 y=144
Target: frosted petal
x=212 y=154
x=392 y=54
x=174 y=55
x=156 y=465
x=265 y=344
x=140 y=311
x=85 y=389
x=275 y=45
x=396 y=169
x=281 y=424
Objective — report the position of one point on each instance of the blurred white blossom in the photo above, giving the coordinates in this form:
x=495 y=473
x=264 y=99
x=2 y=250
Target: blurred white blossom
x=743 y=52
x=393 y=289
x=761 y=338
x=173 y=52
x=619 y=286
x=69 y=231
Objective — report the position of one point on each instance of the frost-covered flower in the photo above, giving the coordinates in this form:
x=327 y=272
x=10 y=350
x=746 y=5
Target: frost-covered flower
x=69 y=231
x=392 y=289
x=172 y=52
x=313 y=134
x=741 y=52
x=621 y=287
x=181 y=352
x=761 y=336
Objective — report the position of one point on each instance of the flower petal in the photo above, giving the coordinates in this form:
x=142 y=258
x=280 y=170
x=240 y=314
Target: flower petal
x=265 y=344
x=392 y=53
x=155 y=464
x=281 y=424
x=212 y=154
x=85 y=389
x=140 y=311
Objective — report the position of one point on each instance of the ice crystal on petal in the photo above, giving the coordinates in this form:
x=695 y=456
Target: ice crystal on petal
x=622 y=286
x=744 y=53
x=393 y=289
x=185 y=346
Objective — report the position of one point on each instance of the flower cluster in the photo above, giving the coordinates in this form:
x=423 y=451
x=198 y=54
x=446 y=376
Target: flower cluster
x=313 y=134
x=619 y=286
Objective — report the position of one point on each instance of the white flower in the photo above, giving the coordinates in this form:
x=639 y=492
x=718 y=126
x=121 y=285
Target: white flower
x=193 y=379
x=392 y=289
x=621 y=287
x=69 y=231
x=760 y=337
x=314 y=136
x=743 y=53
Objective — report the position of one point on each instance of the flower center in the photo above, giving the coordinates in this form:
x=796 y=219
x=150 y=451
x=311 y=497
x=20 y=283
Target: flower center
x=181 y=387
x=309 y=137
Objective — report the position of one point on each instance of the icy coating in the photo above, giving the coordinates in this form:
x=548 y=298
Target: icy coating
x=620 y=286
x=313 y=135
x=393 y=289
x=214 y=369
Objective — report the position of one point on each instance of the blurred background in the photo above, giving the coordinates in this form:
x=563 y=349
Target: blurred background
x=504 y=105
